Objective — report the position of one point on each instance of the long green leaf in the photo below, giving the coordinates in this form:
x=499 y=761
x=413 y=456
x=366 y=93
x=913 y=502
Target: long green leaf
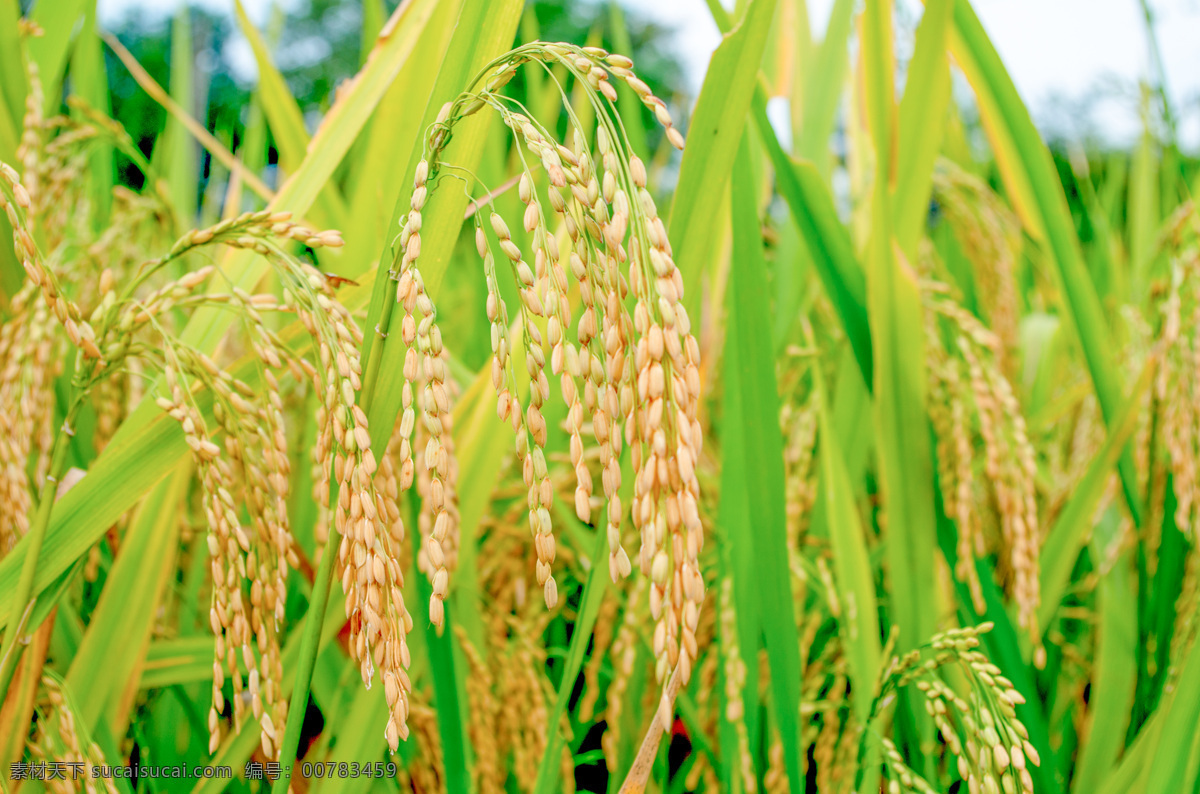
x=852 y=565
x=374 y=15
x=1170 y=757
x=90 y=82
x=310 y=643
x=12 y=76
x=826 y=239
x=132 y=463
x=750 y=371
x=1143 y=208
x=482 y=443
x=904 y=453
x=448 y=689
x=897 y=336
x=287 y=123
x=105 y=670
x=1112 y=687
x=179 y=163
x=391 y=140
x=281 y=108
x=49 y=51
x=358 y=738
x=1131 y=771
x=737 y=551
x=922 y=119
x=823 y=88
x=714 y=134
x=1068 y=534
x=178 y=661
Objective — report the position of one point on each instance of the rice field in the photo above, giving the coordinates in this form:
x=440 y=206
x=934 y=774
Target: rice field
x=512 y=422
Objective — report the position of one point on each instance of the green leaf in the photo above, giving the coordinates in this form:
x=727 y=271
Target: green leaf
x=826 y=239
x=1068 y=534
x=309 y=642
x=482 y=442
x=716 y=129
x=1167 y=769
x=49 y=51
x=133 y=462
x=1131 y=772
x=852 y=565
x=184 y=660
x=824 y=84
x=287 y=122
x=281 y=108
x=898 y=341
x=105 y=670
x=448 y=690
x=12 y=78
x=389 y=144
x=904 y=453
x=89 y=81
x=1112 y=685
x=374 y=14
x=1143 y=209
x=752 y=432
x=180 y=165
x=234 y=752
x=738 y=561
x=359 y=737
x=922 y=119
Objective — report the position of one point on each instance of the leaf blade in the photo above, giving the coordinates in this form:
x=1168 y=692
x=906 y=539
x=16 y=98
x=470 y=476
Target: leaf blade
x=715 y=132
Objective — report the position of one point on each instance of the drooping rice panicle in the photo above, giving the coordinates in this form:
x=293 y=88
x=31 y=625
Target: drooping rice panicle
x=639 y=370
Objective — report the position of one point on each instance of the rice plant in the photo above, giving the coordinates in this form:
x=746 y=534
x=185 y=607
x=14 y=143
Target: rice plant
x=866 y=469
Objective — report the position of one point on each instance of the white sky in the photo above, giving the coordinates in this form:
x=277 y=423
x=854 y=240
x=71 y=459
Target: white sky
x=1058 y=52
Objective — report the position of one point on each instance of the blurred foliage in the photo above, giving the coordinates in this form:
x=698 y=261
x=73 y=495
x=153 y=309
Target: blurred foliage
x=318 y=44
